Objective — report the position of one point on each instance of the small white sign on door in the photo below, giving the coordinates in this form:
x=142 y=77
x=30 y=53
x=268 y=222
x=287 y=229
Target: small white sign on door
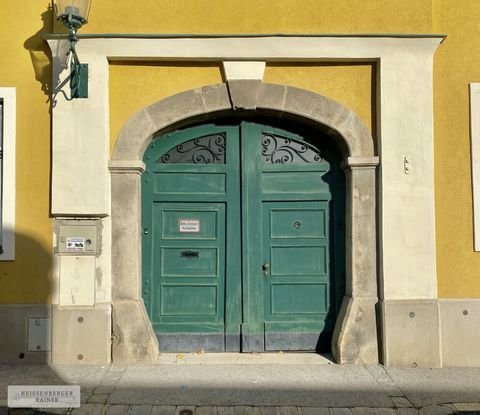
x=189 y=225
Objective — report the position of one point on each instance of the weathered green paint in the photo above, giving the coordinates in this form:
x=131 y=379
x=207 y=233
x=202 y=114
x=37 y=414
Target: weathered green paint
x=265 y=258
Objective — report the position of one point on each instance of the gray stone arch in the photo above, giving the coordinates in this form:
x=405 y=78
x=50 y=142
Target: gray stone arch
x=355 y=336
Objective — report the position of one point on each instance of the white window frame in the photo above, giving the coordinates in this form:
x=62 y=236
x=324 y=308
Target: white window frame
x=7 y=220
x=475 y=149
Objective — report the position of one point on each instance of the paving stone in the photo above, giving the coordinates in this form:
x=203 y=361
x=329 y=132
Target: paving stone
x=384 y=411
x=243 y=410
x=363 y=411
x=267 y=410
x=57 y=411
x=89 y=409
x=288 y=410
x=104 y=389
x=314 y=411
x=21 y=411
x=116 y=368
x=98 y=398
x=407 y=411
x=140 y=410
x=112 y=377
x=435 y=410
x=340 y=411
x=224 y=410
x=163 y=410
x=110 y=381
x=85 y=394
x=182 y=408
x=117 y=409
x=467 y=407
x=401 y=402
x=50 y=411
x=205 y=410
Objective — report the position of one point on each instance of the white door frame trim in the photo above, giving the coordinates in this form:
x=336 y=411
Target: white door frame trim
x=404 y=131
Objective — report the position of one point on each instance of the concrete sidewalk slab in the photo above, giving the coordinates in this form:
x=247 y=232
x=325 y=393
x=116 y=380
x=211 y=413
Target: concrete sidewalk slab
x=207 y=382
x=244 y=359
x=425 y=387
x=264 y=385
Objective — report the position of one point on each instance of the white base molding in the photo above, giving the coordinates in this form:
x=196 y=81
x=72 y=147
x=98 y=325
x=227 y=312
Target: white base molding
x=460 y=333
x=411 y=334
x=82 y=334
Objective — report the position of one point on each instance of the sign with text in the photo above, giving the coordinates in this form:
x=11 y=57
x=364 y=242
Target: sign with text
x=43 y=396
x=188 y=225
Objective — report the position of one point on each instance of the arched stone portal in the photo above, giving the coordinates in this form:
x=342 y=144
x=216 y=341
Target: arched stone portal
x=355 y=337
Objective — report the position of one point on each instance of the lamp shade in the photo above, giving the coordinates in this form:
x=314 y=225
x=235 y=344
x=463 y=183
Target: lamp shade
x=76 y=8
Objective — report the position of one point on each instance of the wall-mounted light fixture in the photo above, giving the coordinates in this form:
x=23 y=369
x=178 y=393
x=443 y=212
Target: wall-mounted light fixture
x=74 y=14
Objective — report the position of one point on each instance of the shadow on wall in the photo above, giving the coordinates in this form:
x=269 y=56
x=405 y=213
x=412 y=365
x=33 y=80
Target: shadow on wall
x=40 y=52
x=26 y=287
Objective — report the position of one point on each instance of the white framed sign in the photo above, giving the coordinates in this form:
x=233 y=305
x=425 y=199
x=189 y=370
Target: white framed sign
x=189 y=225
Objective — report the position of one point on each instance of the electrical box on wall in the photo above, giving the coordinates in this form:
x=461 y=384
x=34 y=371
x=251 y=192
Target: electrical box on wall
x=77 y=240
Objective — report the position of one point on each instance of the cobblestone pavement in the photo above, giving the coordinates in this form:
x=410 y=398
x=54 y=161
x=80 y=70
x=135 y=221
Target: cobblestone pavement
x=103 y=409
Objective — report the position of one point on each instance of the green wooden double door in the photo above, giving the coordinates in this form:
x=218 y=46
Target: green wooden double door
x=242 y=241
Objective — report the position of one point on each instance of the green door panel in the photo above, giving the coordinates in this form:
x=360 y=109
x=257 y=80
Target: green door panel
x=297 y=222
x=292 y=261
x=189 y=300
x=189 y=262
x=288 y=182
x=187 y=182
x=186 y=189
x=189 y=266
x=297 y=287
x=297 y=300
x=243 y=239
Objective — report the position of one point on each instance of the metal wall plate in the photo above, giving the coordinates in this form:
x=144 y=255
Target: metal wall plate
x=39 y=335
x=77 y=239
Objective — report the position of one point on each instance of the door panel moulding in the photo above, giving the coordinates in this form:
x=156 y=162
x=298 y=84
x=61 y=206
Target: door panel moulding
x=406 y=271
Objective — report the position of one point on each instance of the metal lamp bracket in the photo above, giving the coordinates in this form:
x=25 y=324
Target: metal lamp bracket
x=78 y=71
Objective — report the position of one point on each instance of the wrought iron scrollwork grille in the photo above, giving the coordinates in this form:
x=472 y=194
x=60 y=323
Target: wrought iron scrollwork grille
x=209 y=149
x=282 y=150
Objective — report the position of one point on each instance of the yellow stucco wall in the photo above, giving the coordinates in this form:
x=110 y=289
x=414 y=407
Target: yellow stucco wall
x=25 y=65
x=350 y=85
x=457 y=63
x=134 y=86
x=261 y=16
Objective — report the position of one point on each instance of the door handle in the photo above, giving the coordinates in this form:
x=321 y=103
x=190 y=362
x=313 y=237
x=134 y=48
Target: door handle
x=266 y=269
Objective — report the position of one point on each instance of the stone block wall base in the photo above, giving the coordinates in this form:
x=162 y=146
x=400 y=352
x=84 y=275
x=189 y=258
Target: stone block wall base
x=81 y=334
x=133 y=336
x=411 y=333
x=460 y=334
x=14 y=333
x=355 y=335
